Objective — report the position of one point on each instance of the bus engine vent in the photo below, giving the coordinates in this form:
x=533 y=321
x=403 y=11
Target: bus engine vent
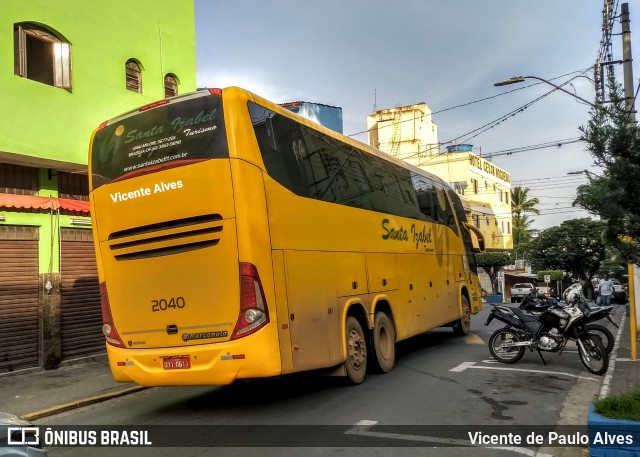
x=168 y=225
x=166 y=238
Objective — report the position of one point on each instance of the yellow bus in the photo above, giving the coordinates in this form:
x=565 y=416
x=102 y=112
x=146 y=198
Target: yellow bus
x=237 y=240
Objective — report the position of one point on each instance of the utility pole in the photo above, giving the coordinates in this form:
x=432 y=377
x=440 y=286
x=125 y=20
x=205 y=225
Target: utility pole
x=626 y=63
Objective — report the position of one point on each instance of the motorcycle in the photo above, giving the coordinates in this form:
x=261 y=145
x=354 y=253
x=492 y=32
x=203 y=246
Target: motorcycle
x=548 y=331
x=574 y=296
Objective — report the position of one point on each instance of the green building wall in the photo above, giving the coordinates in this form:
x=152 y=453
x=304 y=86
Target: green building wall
x=51 y=123
x=49 y=128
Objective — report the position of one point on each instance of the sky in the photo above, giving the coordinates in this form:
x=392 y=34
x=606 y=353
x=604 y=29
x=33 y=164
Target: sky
x=359 y=53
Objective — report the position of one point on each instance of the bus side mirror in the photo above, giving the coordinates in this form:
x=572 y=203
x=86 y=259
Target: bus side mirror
x=477 y=239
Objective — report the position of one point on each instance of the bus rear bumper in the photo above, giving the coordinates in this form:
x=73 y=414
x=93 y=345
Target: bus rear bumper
x=209 y=364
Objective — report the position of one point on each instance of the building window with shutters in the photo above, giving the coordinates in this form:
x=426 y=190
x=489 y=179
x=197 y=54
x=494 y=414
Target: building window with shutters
x=170 y=85
x=18 y=179
x=133 y=71
x=74 y=186
x=41 y=55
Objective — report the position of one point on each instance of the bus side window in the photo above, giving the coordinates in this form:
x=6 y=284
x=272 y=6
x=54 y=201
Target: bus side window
x=424 y=190
x=445 y=212
x=277 y=139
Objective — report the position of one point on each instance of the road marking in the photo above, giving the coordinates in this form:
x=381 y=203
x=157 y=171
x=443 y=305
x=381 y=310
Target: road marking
x=362 y=427
x=465 y=365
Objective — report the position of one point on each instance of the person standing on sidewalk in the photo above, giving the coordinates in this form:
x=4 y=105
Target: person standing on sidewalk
x=605 y=287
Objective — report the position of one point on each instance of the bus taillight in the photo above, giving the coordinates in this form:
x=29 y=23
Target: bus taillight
x=253 y=307
x=108 y=327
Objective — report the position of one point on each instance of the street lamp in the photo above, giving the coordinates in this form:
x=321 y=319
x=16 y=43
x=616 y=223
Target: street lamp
x=519 y=79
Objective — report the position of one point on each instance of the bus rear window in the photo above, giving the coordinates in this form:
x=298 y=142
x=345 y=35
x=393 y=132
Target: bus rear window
x=177 y=133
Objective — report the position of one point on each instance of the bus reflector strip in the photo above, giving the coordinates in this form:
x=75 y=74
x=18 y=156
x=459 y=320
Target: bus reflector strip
x=154 y=104
x=232 y=357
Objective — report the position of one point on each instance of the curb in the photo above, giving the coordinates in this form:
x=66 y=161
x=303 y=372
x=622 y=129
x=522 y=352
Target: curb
x=80 y=403
x=606 y=382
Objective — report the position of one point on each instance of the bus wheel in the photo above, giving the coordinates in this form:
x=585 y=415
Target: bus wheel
x=356 y=363
x=463 y=325
x=384 y=343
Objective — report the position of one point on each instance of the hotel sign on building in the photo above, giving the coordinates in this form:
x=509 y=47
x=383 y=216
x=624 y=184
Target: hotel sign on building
x=489 y=168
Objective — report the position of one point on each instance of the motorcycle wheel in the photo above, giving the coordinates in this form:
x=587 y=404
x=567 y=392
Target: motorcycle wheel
x=594 y=357
x=605 y=335
x=501 y=338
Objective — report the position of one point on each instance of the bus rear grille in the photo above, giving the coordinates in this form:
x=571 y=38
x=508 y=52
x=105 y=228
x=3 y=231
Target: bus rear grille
x=168 y=225
x=149 y=253
x=165 y=238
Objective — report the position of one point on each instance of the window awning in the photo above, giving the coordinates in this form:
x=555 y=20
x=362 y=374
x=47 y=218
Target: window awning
x=34 y=202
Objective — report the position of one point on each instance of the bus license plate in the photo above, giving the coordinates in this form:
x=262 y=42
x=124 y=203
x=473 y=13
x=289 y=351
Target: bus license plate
x=176 y=363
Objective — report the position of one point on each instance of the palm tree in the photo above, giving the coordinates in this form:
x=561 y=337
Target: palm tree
x=521 y=204
x=521 y=232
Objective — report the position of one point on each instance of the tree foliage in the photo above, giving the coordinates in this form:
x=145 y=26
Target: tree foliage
x=614 y=264
x=614 y=143
x=575 y=246
x=492 y=262
x=556 y=275
x=521 y=203
x=521 y=206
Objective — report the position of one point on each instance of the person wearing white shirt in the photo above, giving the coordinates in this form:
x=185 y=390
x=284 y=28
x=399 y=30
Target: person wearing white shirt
x=605 y=286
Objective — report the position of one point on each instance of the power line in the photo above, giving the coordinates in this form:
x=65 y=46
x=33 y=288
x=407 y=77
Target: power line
x=553 y=177
x=557 y=143
x=503 y=118
x=581 y=71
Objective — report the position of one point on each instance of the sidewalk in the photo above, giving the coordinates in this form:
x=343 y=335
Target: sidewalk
x=39 y=393
x=623 y=373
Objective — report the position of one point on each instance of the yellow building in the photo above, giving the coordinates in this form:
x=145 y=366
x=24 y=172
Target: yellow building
x=409 y=133
x=404 y=131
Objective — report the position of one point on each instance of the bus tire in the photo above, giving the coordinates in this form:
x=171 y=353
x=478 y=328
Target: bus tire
x=384 y=343
x=356 y=363
x=462 y=326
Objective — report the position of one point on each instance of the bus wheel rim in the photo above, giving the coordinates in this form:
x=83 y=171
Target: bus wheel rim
x=357 y=349
x=466 y=317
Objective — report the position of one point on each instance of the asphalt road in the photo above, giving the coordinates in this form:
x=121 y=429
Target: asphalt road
x=439 y=379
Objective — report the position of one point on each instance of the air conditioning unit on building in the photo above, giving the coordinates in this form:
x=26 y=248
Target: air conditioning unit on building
x=520 y=264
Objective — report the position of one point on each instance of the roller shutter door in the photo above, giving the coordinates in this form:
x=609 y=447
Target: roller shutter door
x=80 y=313
x=18 y=297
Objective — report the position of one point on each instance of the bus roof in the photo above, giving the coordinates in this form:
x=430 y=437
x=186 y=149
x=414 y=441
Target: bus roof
x=353 y=142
